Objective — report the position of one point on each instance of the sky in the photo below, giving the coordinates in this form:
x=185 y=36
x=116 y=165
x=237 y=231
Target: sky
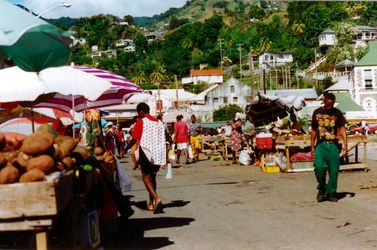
x=81 y=8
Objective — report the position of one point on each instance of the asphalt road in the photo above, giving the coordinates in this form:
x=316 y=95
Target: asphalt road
x=216 y=205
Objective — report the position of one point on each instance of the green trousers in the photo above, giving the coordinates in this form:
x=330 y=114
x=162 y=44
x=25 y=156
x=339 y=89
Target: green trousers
x=326 y=159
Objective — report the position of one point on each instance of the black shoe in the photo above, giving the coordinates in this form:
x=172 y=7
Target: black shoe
x=321 y=196
x=332 y=198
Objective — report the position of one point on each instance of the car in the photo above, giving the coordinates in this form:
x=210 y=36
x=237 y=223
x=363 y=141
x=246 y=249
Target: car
x=358 y=129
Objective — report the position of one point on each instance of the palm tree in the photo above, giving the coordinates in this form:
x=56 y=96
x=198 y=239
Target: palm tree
x=264 y=45
x=139 y=78
x=158 y=75
x=298 y=28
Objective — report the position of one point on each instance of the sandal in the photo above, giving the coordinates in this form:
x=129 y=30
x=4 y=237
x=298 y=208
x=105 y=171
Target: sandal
x=150 y=207
x=157 y=207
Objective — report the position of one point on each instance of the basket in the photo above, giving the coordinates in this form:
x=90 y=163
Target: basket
x=270 y=169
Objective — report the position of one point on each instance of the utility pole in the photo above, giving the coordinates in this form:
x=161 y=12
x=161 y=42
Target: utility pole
x=221 y=52
x=316 y=66
x=251 y=69
x=240 y=50
x=176 y=92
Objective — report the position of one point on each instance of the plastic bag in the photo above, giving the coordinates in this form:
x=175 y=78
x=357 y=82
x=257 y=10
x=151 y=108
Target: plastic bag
x=245 y=157
x=171 y=153
x=189 y=151
x=125 y=181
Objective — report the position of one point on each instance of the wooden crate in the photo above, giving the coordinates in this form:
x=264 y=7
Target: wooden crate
x=23 y=203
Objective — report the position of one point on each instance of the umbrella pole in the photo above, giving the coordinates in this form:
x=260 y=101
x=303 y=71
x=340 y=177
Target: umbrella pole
x=73 y=116
x=32 y=121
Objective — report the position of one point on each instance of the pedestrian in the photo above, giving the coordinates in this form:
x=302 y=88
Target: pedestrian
x=195 y=141
x=149 y=135
x=181 y=139
x=119 y=141
x=328 y=123
x=109 y=138
x=236 y=136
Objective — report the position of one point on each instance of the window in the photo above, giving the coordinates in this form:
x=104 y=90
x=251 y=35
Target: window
x=368 y=84
x=215 y=99
x=368 y=79
x=231 y=89
x=225 y=99
x=235 y=99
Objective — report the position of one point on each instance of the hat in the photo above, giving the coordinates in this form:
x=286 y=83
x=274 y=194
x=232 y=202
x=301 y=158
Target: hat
x=110 y=124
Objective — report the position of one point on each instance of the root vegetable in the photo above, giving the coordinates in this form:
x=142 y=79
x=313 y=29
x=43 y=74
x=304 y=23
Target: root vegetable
x=45 y=163
x=9 y=174
x=32 y=176
x=38 y=143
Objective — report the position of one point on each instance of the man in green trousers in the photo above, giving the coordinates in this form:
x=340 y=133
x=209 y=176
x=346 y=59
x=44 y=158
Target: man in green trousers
x=328 y=124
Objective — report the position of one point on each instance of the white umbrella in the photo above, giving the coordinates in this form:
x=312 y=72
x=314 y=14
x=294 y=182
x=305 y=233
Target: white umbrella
x=19 y=85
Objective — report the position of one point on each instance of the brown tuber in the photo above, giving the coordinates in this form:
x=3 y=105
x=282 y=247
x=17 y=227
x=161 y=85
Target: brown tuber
x=9 y=174
x=32 y=176
x=38 y=143
x=45 y=163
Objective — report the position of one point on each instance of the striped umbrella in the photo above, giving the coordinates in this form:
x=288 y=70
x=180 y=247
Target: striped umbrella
x=76 y=87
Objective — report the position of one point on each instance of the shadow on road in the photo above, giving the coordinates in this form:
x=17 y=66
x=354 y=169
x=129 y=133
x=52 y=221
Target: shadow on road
x=342 y=195
x=130 y=234
x=177 y=203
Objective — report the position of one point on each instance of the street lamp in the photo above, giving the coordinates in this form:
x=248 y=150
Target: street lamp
x=67 y=5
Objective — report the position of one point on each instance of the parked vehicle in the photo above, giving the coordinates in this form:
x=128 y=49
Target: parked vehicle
x=358 y=129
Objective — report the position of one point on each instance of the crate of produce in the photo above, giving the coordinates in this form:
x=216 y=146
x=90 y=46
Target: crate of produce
x=24 y=202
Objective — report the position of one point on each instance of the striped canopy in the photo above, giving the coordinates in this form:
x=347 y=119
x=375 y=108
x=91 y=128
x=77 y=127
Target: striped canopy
x=76 y=88
x=121 y=90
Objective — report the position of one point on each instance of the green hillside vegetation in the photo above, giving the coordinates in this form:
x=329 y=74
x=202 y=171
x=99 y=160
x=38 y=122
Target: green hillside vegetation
x=195 y=32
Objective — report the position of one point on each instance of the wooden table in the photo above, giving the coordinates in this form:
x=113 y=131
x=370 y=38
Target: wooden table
x=287 y=143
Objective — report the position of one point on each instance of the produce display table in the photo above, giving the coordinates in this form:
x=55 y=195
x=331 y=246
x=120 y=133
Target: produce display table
x=33 y=206
x=289 y=143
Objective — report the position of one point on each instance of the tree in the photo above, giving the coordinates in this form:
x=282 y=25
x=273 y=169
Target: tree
x=226 y=113
x=139 y=78
x=265 y=44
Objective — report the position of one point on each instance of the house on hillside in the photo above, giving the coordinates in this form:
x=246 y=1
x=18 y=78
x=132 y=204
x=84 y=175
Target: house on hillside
x=232 y=91
x=268 y=59
x=327 y=38
x=211 y=76
x=363 y=34
x=365 y=79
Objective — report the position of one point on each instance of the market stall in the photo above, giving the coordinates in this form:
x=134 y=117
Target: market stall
x=298 y=158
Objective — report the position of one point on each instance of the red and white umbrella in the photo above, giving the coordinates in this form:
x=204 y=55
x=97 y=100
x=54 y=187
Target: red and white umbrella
x=78 y=88
x=19 y=128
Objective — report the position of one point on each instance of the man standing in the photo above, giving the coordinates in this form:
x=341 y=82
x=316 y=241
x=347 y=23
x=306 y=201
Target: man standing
x=194 y=131
x=328 y=123
x=181 y=138
x=149 y=134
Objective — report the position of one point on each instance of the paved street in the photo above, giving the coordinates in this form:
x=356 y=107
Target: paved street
x=216 y=205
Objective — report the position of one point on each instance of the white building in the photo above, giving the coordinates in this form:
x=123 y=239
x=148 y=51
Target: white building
x=364 y=34
x=210 y=76
x=327 y=38
x=365 y=79
x=268 y=59
x=230 y=92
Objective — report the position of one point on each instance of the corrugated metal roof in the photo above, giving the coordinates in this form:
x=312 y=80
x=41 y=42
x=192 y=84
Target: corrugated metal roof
x=206 y=72
x=370 y=59
x=345 y=103
x=309 y=93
